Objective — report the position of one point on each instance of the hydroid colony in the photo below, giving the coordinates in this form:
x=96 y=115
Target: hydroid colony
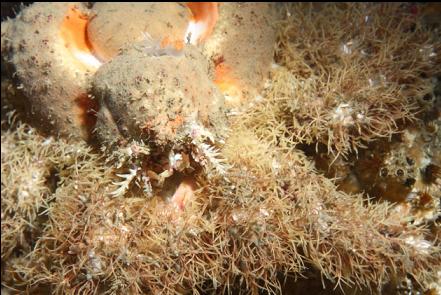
x=168 y=200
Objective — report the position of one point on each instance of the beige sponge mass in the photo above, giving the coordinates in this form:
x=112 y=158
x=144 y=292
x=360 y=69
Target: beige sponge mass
x=49 y=63
x=242 y=48
x=157 y=92
x=109 y=28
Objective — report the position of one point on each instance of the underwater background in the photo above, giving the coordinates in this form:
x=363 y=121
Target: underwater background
x=178 y=148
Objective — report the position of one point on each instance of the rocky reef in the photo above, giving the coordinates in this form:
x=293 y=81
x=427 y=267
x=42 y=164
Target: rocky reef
x=206 y=148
